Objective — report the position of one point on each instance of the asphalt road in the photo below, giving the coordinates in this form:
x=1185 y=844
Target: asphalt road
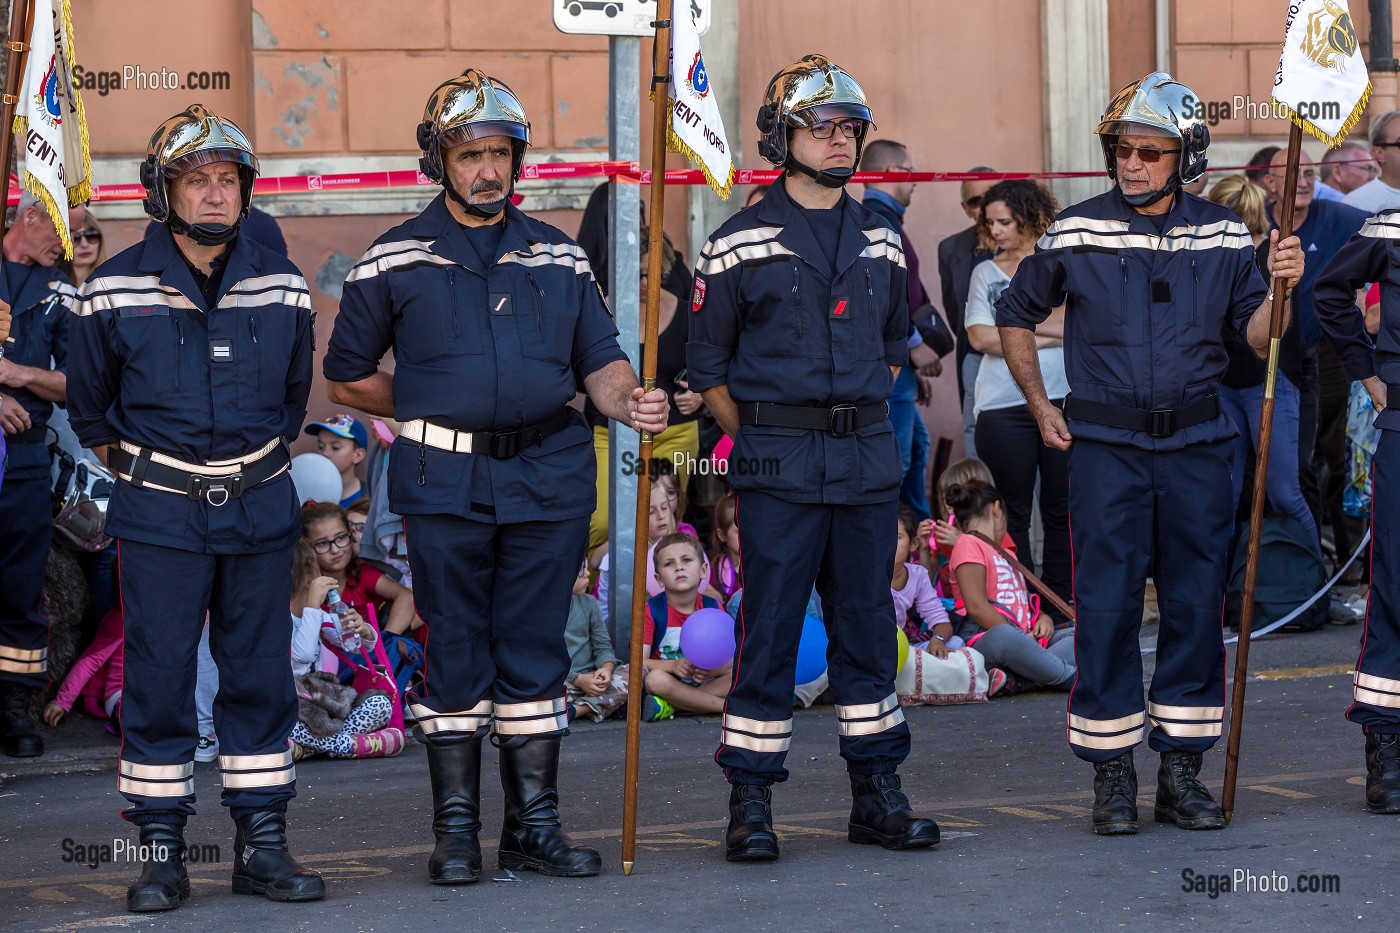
x=1011 y=799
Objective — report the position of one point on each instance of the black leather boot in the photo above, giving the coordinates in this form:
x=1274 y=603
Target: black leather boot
x=1115 y=796
x=750 y=837
x=881 y=815
x=163 y=883
x=532 y=838
x=455 y=771
x=1383 y=773
x=262 y=864
x=1181 y=797
x=19 y=737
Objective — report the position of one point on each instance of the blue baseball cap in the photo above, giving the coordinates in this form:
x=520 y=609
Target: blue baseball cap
x=341 y=425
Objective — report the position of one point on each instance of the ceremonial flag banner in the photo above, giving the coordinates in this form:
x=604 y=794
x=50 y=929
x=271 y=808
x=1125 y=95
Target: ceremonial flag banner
x=49 y=118
x=1321 y=76
x=696 y=130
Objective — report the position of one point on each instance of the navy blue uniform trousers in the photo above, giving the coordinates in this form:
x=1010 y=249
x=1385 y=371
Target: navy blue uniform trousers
x=848 y=551
x=1135 y=513
x=1377 y=688
x=163 y=593
x=26 y=529
x=496 y=600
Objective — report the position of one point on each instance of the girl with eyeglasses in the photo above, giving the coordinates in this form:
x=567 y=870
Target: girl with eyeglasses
x=325 y=528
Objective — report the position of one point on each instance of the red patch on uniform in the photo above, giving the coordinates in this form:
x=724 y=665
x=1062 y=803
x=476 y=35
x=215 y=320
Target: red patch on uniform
x=697 y=301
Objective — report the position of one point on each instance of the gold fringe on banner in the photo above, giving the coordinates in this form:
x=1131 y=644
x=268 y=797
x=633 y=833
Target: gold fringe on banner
x=1350 y=123
x=676 y=144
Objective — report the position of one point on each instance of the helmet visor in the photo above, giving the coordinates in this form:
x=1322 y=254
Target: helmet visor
x=484 y=130
x=200 y=158
x=824 y=112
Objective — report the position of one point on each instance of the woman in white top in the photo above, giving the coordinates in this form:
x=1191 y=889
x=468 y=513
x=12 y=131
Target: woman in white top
x=1014 y=215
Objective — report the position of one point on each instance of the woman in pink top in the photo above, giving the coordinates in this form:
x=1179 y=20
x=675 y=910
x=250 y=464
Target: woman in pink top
x=1016 y=636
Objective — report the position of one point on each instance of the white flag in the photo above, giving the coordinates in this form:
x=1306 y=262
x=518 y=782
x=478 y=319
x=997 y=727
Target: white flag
x=696 y=130
x=1321 y=76
x=49 y=119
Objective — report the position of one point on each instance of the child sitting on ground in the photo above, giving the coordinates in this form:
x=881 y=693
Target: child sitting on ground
x=935 y=671
x=96 y=677
x=332 y=718
x=672 y=682
x=325 y=527
x=597 y=683
x=343 y=441
x=724 y=550
x=1016 y=636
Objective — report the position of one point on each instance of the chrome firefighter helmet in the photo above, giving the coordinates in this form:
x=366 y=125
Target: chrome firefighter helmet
x=806 y=92
x=82 y=516
x=189 y=140
x=1162 y=103
x=472 y=105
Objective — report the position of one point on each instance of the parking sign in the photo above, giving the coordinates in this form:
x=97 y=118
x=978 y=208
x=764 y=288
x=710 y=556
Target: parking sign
x=621 y=17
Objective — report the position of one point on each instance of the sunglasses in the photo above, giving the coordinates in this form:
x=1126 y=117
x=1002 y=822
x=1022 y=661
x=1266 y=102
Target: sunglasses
x=973 y=202
x=1124 y=152
x=341 y=540
x=825 y=129
x=84 y=236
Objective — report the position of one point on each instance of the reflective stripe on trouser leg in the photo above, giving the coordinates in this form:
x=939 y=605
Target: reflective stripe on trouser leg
x=1376 y=688
x=777 y=577
x=164 y=593
x=256 y=706
x=433 y=726
x=540 y=717
x=1194 y=521
x=862 y=650
x=1110 y=501
x=26 y=531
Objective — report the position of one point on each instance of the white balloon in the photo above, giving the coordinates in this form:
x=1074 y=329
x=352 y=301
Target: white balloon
x=316 y=478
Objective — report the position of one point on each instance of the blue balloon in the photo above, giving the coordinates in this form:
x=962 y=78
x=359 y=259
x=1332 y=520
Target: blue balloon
x=811 y=651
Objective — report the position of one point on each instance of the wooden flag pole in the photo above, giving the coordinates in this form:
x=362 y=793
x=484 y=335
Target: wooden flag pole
x=1261 y=475
x=660 y=83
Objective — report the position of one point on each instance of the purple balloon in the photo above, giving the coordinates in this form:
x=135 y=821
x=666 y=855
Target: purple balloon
x=707 y=639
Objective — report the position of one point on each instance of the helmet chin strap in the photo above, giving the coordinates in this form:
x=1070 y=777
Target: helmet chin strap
x=1150 y=198
x=830 y=178
x=204 y=234
x=484 y=211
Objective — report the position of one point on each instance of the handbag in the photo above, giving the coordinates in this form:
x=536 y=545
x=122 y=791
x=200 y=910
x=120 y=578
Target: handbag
x=935 y=331
x=374 y=674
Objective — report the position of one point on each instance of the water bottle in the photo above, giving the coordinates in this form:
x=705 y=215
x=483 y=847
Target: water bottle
x=349 y=640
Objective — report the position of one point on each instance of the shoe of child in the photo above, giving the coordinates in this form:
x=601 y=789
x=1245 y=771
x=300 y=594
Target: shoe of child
x=208 y=748
x=654 y=709
x=996 y=679
x=382 y=743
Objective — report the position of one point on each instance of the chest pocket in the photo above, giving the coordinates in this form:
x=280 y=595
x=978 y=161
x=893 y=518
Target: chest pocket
x=433 y=313
x=780 y=309
x=1113 y=297
x=1200 y=312
x=263 y=344
x=160 y=367
x=545 y=310
x=873 y=288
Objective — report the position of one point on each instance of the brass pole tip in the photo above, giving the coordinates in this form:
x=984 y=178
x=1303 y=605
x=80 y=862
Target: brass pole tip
x=627 y=868
x=1228 y=815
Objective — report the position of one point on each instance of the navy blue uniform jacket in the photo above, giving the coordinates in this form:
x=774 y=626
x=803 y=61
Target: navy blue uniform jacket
x=153 y=366
x=39 y=328
x=773 y=321
x=1144 y=313
x=480 y=347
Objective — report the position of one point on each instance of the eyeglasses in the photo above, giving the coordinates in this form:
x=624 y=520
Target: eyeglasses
x=901 y=168
x=1124 y=152
x=1392 y=143
x=86 y=235
x=825 y=129
x=357 y=528
x=341 y=540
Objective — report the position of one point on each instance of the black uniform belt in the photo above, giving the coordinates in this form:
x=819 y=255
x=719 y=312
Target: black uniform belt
x=216 y=482
x=1392 y=392
x=839 y=420
x=498 y=444
x=1158 y=422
